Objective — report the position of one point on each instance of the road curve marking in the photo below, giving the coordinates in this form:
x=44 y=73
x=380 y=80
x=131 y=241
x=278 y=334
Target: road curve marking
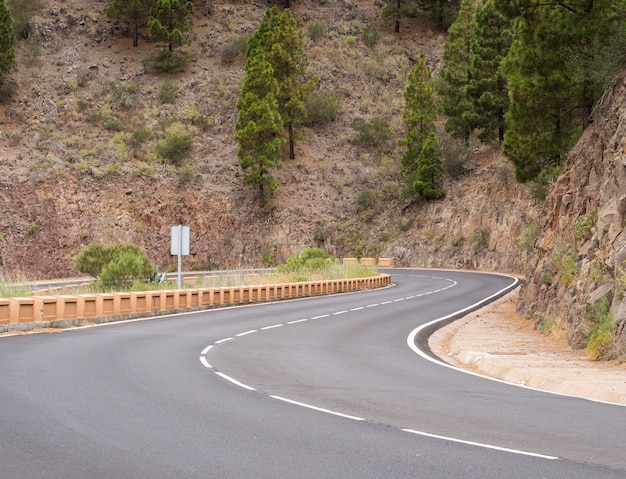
x=480 y=444
x=234 y=381
x=315 y=408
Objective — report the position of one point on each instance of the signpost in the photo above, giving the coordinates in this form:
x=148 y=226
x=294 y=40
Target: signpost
x=180 y=246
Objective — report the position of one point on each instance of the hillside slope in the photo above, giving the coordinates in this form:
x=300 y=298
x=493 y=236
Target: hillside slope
x=71 y=174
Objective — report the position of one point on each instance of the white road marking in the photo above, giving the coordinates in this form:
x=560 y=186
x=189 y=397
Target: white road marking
x=205 y=362
x=340 y=312
x=298 y=321
x=246 y=333
x=273 y=326
x=234 y=381
x=207 y=349
x=372 y=305
x=358 y=309
x=479 y=444
x=223 y=340
x=322 y=316
x=315 y=408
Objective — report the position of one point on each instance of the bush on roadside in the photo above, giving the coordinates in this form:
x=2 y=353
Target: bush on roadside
x=310 y=260
x=115 y=266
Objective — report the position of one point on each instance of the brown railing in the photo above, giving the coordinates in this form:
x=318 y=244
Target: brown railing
x=27 y=313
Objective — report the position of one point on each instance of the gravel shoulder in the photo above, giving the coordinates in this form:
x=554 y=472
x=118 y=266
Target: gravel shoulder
x=498 y=342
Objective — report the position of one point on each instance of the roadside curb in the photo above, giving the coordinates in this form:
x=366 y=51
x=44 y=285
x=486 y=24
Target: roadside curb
x=462 y=344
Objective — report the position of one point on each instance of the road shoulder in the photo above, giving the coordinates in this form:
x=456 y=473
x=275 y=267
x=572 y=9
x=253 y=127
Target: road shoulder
x=498 y=342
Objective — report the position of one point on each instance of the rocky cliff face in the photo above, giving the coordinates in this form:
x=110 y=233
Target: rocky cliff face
x=581 y=248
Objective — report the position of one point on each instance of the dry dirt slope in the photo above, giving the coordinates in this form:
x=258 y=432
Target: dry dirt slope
x=70 y=174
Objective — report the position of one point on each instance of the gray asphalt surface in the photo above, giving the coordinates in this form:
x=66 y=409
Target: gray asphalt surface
x=143 y=399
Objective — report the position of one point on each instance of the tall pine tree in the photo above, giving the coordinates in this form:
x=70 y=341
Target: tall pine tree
x=559 y=51
x=169 y=21
x=456 y=74
x=398 y=10
x=421 y=162
x=259 y=125
x=491 y=40
x=444 y=12
x=134 y=13
x=7 y=43
x=283 y=43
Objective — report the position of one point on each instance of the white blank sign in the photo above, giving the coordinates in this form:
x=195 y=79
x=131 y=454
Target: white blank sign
x=180 y=240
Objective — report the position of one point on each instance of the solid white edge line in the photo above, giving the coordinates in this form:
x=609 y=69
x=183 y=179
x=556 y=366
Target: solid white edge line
x=315 y=408
x=205 y=363
x=419 y=352
x=234 y=381
x=207 y=349
x=479 y=444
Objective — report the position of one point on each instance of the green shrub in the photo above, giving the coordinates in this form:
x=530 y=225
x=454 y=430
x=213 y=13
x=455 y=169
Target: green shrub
x=124 y=94
x=141 y=135
x=168 y=92
x=310 y=260
x=374 y=133
x=583 y=225
x=113 y=123
x=115 y=266
x=321 y=108
x=527 y=237
x=365 y=200
x=539 y=186
x=316 y=31
x=176 y=146
x=454 y=155
x=22 y=11
x=165 y=61
x=563 y=261
x=479 y=239
x=7 y=89
x=601 y=339
x=125 y=269
x=370 y=37
x=233 y=48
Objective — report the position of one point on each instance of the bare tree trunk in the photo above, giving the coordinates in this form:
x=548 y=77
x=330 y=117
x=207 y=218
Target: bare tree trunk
x=292 y=154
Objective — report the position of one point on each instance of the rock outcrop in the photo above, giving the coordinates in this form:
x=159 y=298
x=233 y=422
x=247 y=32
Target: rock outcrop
x=581 y=247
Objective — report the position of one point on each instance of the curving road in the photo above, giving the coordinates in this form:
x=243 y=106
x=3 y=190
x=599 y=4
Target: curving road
x=319 y=388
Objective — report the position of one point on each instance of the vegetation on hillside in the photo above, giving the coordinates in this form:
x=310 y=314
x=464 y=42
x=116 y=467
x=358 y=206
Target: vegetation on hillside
x=555 y=60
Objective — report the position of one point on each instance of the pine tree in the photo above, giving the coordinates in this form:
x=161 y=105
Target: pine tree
x=169 y=21
x=456 y=75
x=421 y=163
x=7 y=43
x=259 y=125
x=491 y=40
x=283 y=44
x=559 y=52
x=444 y=12
x=134 y=13
x=430 y=170
x=398 y=10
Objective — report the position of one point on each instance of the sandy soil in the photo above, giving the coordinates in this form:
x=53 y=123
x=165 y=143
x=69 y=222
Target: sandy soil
x=498 y=342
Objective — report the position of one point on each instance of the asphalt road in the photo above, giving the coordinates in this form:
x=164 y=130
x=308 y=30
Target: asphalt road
x=318 y=388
